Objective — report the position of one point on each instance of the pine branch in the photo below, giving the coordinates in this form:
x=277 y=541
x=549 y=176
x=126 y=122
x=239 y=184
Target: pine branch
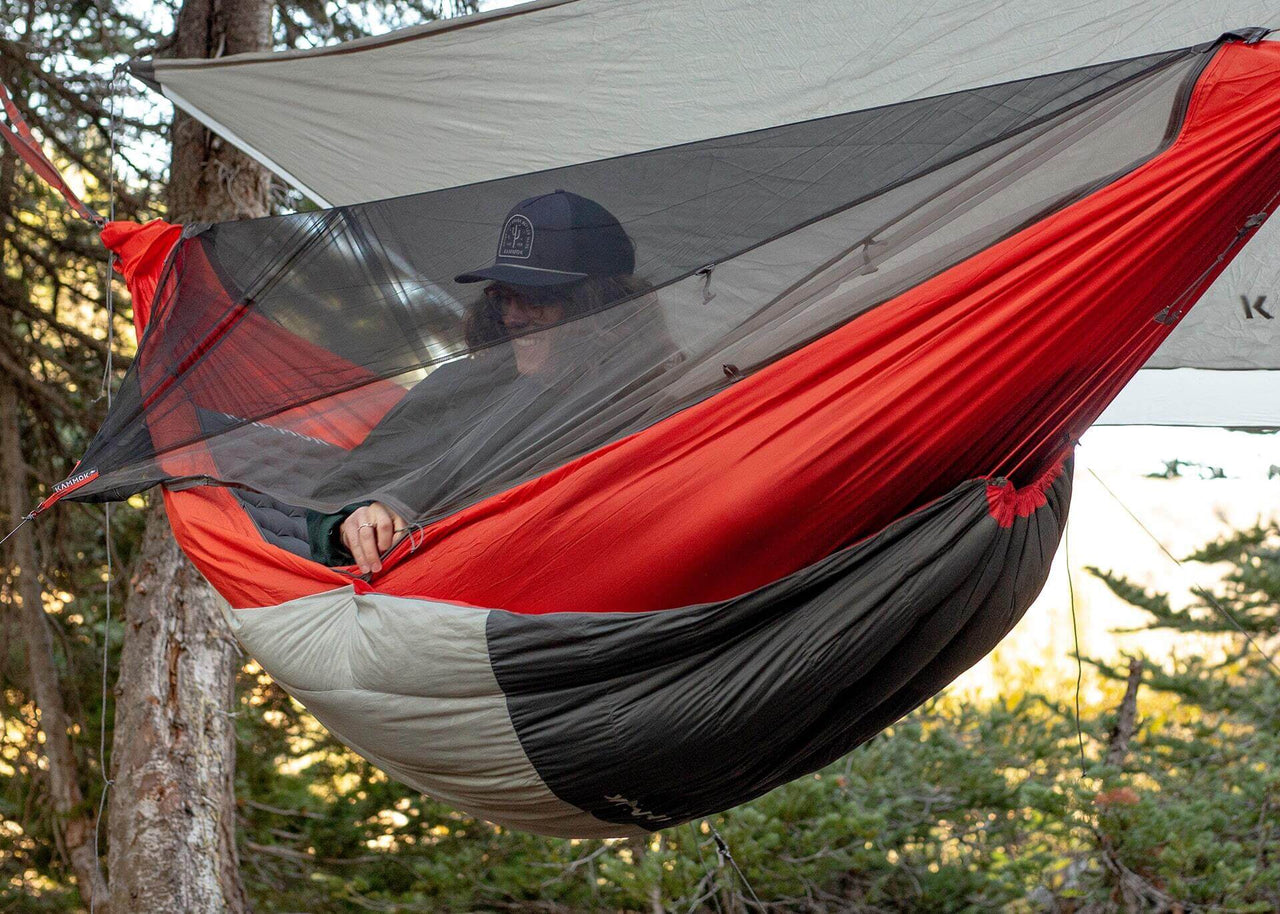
x=47 y=394
x=65 y=243
x=11 y=299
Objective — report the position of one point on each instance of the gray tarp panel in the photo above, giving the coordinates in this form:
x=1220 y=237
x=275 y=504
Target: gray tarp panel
x=552 y=84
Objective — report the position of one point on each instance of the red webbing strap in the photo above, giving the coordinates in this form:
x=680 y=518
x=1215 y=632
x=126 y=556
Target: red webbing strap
x=19 y=136
x=66 y=487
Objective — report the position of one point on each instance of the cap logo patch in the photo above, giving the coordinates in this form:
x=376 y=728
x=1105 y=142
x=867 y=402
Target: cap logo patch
x=517 y=238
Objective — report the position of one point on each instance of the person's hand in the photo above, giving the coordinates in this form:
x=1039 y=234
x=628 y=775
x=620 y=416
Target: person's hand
x=369 y=532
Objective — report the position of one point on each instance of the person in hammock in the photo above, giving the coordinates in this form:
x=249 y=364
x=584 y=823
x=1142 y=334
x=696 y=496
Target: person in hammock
x=547 y=352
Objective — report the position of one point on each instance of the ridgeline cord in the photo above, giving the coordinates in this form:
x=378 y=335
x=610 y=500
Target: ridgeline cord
x=722 y=850
x=1197 y=590
x=708 y=873
x=16 y=529
x=1075 y=636
x=105 y=390
x=107 y=373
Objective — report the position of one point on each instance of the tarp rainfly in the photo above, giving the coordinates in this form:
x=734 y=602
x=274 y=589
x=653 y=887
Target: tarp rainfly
x=462 y=112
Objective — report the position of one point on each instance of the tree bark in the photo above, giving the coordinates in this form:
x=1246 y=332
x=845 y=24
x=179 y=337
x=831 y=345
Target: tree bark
x=75 y=823
x=210 y=180
x=172 y=839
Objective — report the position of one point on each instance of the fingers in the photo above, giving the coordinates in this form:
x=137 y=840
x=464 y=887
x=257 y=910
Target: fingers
x=383 y=526
x=369 y=532
x=357 y=536
x=399 y=526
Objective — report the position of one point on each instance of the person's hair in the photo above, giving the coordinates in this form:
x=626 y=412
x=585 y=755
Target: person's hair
x=617 y=308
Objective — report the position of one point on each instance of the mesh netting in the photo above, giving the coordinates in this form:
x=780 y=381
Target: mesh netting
x=326 y=358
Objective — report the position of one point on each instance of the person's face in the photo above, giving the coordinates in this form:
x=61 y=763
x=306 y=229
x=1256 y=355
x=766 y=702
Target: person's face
x=523 y=312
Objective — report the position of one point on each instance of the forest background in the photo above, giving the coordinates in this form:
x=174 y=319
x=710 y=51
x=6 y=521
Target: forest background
x=145 y=765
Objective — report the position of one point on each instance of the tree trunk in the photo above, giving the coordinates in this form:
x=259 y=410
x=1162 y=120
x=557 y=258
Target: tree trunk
x=210 y=180
x=75 y=824
x=173 y=811
x=172 y=839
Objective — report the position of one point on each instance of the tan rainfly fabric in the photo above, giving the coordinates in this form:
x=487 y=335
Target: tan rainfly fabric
x=408 y=685
x=559 y=82
x=1198 y=396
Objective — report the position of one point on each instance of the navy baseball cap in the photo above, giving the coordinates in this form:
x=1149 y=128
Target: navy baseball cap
x=557 y=238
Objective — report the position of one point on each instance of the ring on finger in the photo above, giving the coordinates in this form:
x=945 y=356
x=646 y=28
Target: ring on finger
x=366 y=524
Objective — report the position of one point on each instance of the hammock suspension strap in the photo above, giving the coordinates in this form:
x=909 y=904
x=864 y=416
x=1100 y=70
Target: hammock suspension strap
x=19 y=136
